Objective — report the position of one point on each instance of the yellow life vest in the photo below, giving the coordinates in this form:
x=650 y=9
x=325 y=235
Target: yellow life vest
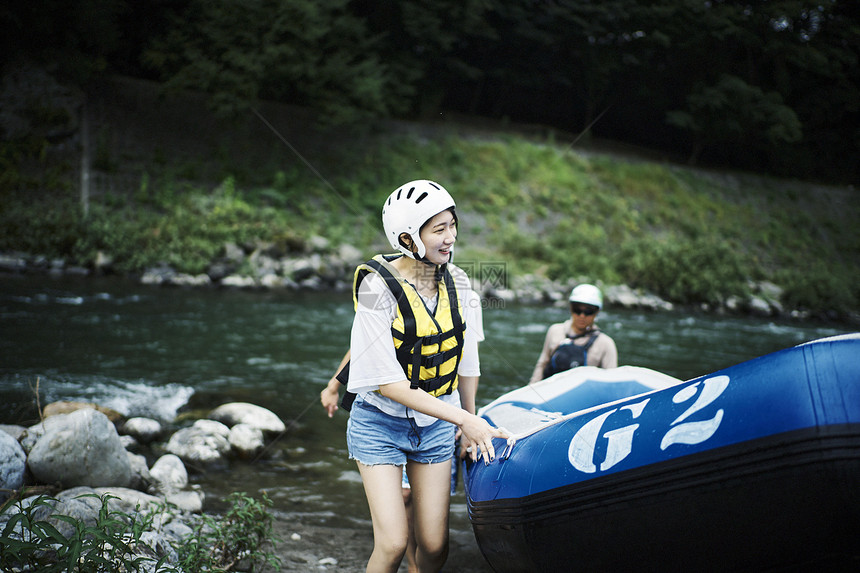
x=428 y=345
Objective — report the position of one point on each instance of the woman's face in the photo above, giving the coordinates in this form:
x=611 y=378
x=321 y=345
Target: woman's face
x=438 y=235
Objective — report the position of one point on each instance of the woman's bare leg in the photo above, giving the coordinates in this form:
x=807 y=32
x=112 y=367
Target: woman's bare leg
x=382 y=486
x=431 y=497
x=410 y=546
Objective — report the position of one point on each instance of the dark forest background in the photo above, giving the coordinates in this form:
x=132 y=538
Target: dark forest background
x=767 y=86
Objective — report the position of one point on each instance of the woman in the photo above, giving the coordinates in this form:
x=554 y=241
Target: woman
x=411 y=352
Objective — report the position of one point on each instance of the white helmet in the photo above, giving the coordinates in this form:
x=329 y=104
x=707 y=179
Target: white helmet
x=587 y=294
x=408 y=208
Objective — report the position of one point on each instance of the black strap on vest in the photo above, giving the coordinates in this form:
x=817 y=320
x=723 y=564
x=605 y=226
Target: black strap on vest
x=411 y=342
x=348 y=397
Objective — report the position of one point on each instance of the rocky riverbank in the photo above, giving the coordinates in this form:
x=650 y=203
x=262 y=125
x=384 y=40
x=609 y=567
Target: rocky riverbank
x=324 y=267
x=81 y=452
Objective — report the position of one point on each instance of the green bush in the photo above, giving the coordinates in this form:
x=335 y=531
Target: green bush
x=29 y=542
x=702 y=270
x=219 y=542
x=821 y=288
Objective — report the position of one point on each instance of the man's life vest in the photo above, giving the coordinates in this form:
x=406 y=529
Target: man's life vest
x=428 y=345
x=569 y=355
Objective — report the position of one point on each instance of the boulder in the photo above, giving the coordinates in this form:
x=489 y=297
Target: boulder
x=246 y=440
x=80 y=449
x=66 y=407
x=186 y=280
x=144 y=430
x=238 y=281
x=13 y=430
x=13 y=465
x=244 y=413
x=141 y=479
x=126 y=500
x=204 y=442
x=157 y=275
x=190 y=501
x=169 y=474
x=79 y=503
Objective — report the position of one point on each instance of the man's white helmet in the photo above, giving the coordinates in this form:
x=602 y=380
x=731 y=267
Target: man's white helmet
x=587 y=294
x=408 y=208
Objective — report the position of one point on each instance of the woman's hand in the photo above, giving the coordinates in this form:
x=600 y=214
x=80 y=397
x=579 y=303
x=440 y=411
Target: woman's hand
x=329 y=397
x=478 y=433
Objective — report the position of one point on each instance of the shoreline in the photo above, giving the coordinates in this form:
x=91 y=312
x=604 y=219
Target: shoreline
x=325 y=272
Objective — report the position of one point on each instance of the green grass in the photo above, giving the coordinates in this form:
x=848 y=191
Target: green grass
x=540 y=207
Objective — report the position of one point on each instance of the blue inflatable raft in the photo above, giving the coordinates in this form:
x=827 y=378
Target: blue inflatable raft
x=754 y=467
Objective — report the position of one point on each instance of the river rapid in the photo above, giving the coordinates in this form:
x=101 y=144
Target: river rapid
x=159 y=352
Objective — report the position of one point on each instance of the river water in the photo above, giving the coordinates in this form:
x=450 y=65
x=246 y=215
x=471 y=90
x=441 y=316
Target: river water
x=148 y=351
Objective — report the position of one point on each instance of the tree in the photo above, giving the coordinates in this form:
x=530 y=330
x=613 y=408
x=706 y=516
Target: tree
x=734 y=112
x=72 y=40
x=426 y=44
x=312 y=53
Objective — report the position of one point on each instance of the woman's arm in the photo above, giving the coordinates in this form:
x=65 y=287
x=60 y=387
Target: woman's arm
x=468 y=387
x=330 y=395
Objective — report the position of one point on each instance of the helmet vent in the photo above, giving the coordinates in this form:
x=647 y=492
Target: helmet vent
x=421 y=197
x=409 y=194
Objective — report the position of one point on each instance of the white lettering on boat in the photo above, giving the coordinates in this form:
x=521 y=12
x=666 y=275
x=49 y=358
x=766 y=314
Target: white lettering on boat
x=696 y=432
x=619 y=441
x=580 y=453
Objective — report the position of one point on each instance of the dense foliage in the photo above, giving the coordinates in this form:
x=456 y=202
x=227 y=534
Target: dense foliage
x=531 y=207
x=36 y=538
x=766 y=85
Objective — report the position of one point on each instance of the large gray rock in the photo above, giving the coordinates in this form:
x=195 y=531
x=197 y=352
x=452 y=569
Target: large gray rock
x=189 y=500
x=13 y=430
x=251 y=414
x=169 y=474
x=204 y=442
x=80 y=503
x=246 y=440
x=80 y=449
x=13 y=465
x=144 y=430
x=140 y=476
x=127 y=500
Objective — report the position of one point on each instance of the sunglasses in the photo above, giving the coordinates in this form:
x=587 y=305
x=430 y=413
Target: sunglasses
x=587 y=311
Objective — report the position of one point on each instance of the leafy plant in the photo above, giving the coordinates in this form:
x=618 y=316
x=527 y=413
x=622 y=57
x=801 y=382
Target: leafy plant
x=34 y=538
x=30 y=542
x=241 y=534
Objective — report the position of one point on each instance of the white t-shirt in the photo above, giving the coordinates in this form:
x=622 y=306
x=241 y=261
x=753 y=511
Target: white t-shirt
x=373 y=362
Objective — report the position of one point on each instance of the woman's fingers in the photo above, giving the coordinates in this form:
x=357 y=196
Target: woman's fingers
x=489 y=452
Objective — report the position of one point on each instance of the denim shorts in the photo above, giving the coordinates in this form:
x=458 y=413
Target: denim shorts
x=374 y=438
